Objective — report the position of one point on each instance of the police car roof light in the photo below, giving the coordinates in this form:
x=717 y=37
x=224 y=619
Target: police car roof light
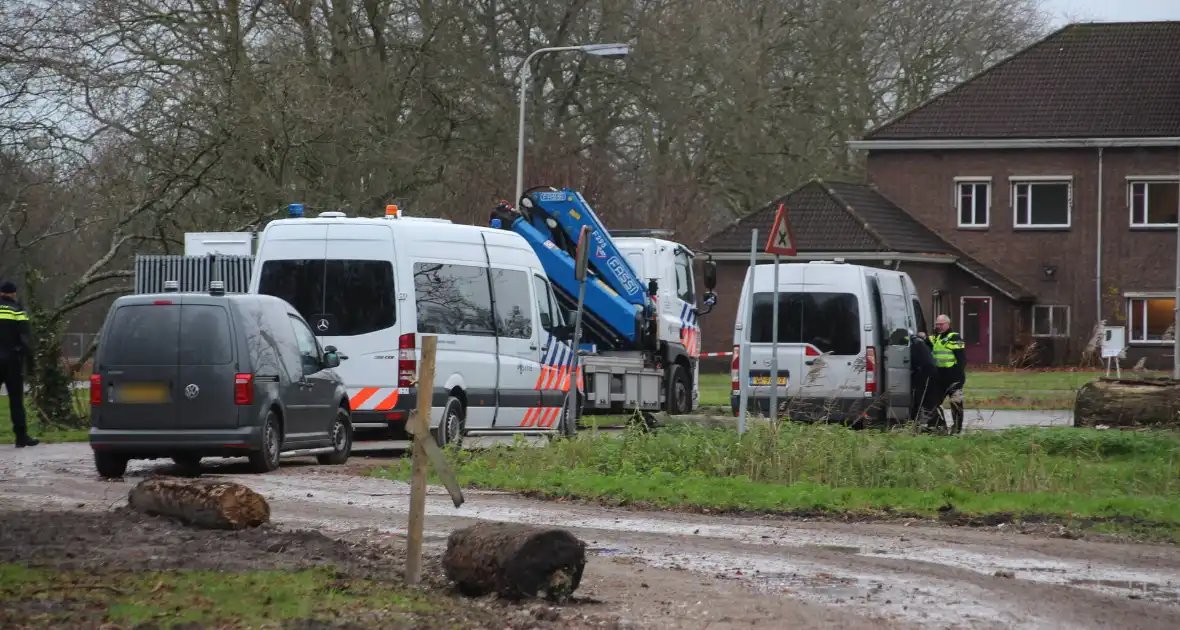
x=295 y=210
x=392 y=212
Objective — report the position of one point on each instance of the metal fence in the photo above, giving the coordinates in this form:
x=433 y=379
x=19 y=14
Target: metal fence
x=194 y=273
x=74 y=345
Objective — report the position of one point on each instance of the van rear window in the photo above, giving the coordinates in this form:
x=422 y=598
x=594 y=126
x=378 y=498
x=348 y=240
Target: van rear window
x=829 y=321
x=142 y=334
x=158 y=334
x=351 y=297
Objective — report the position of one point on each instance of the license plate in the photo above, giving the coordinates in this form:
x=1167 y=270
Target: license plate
x=141 y=393
x=765 y=380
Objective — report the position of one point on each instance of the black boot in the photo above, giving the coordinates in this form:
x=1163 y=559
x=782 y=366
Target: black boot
x=24 y=440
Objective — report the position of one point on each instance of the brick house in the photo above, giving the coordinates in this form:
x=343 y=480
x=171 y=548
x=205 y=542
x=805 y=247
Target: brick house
x=1052 y=179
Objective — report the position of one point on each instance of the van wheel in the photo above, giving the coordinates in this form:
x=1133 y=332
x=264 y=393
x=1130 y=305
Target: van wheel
x=679 y=390
x=110 y=465
x=267 y=459
x=341 y=440
x=450 y=429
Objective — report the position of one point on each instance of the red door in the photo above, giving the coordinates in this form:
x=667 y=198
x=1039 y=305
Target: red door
x=976 y=328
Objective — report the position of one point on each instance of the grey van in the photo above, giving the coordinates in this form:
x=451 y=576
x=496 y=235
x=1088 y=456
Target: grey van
x=192 y=375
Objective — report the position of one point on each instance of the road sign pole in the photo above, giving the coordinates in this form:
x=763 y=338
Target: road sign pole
x=744 y=347
x=773 y=412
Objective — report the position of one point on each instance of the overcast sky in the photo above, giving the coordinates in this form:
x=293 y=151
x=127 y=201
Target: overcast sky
x=1113 y=10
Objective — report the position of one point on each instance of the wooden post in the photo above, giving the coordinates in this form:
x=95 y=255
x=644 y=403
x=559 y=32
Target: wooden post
x=421 y=422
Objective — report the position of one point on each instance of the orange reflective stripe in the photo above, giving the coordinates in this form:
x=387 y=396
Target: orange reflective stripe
x=547 y=417
x=389 y=402
x=544 y=375
x=362 y=396
x=529 y=417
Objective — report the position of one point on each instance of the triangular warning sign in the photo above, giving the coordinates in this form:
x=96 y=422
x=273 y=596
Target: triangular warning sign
x=781 y=241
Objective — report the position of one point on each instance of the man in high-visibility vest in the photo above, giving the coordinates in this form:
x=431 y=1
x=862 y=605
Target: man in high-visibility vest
x=16 y=353
x=950 y=356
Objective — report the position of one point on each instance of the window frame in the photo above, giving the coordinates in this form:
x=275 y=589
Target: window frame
x=485 y=281
x=689 y=293
x=973 y=181
x=1146 y=181
x=1050 y=334
x=1032 y=181
x=298 y=324
x=528 y=307
x=1144 y=297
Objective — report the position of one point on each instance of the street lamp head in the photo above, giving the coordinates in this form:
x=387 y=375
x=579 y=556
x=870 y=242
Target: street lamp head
x=609 y=51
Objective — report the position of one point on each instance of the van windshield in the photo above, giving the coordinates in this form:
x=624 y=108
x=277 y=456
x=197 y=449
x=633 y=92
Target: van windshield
x=340 y=298
x=150 y=334
x=829 y=321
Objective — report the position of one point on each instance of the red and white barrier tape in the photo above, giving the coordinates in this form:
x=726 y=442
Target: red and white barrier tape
x=717 y=354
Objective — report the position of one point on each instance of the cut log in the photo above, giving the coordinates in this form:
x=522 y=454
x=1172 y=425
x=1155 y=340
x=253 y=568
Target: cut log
x=514 y=561
x=203 y=503
x=1128 y=402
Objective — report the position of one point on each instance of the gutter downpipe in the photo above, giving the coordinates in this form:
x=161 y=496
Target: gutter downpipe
x=1098 y=274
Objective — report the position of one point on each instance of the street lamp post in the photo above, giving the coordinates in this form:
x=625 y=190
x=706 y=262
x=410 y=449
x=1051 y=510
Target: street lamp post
x=609 y=51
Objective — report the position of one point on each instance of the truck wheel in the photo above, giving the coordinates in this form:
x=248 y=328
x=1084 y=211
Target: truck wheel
x=568 y=424
x=679 y=390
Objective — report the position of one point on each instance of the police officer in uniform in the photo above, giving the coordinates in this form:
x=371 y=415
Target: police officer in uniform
x=950 y=356
x=16 y=353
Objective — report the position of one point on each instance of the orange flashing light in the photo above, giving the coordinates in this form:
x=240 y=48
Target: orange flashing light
x=392 y=211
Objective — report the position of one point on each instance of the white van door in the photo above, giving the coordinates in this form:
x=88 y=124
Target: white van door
x=791 y=350
x=520 y=352
x=893 y=341
x=831 y=321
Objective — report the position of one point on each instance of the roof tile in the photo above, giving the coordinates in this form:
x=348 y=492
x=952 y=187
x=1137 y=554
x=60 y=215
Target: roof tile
x=1113 y=80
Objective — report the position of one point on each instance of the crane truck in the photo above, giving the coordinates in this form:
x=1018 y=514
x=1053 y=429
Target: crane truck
x=641 y=345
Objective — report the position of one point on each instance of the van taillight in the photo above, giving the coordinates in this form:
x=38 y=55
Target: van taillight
x=407 y=360
x=95 y=389
x=244 y=389
x=735 y=369
x=870 y=370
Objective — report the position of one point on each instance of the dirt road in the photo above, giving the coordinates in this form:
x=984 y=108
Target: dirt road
x=682 y=571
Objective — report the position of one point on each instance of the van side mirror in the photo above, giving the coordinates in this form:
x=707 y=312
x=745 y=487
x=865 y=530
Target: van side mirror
x=710 y=276
x=331 y=360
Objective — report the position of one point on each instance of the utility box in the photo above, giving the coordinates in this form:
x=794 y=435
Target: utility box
x=219 y=243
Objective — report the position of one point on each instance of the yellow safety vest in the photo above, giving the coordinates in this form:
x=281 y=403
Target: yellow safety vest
x=8 y=313
x=944 y=349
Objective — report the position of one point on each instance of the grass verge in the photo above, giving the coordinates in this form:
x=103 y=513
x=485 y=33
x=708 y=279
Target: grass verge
x=1074 y=475
x=205 y=598
x=990 y=389
x=36 y=429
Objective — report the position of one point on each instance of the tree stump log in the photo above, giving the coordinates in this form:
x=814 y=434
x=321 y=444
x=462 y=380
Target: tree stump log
x=514 y=561
x=1128 y=403
x=203 y=503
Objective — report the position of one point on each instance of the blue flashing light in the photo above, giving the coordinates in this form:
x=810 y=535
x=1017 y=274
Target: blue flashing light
x=496 y=223
x=295 y=210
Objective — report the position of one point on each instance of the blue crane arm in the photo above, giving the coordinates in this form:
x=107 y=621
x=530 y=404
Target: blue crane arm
x=562 y=213
x=609 y=320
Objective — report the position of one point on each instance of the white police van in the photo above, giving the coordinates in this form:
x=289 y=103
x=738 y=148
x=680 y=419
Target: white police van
x=843 y=336
x=372 y=286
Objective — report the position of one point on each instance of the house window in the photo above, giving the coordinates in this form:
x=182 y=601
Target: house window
x=1041 y=203
x=1153 y=203
x=1150 y=320
x=1050 y=321
x=974 y=200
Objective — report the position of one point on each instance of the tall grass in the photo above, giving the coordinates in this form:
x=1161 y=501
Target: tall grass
x=1094 y=463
